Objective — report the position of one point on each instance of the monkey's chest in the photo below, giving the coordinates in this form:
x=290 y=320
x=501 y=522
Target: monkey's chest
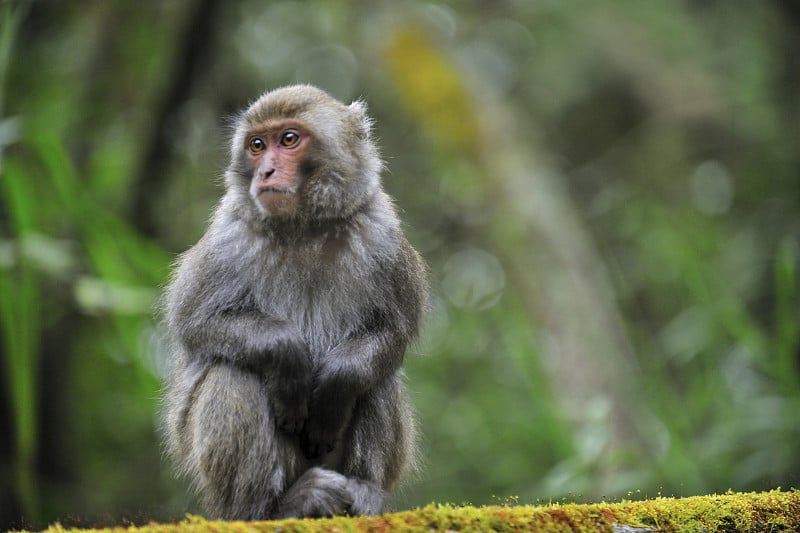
x=325 y=304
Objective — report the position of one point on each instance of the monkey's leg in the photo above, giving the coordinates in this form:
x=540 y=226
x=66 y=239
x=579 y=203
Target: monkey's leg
x=237 y=460
x=379 y=446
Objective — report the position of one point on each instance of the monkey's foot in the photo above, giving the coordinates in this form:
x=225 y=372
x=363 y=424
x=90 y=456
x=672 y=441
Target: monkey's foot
x=317 y=493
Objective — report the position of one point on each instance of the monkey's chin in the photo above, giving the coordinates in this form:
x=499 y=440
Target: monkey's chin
x=275 y=202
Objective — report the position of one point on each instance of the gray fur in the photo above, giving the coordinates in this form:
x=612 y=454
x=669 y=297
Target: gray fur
x=286 y=394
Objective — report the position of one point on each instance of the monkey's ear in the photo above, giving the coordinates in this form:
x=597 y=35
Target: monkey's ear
x=359 y=110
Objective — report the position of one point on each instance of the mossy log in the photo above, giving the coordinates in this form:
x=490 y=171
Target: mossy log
x=731 y=512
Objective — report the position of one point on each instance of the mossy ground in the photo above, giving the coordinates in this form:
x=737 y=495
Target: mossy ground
x=732 y=512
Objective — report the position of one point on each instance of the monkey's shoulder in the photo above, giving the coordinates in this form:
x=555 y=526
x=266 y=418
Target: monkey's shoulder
x=369 y=257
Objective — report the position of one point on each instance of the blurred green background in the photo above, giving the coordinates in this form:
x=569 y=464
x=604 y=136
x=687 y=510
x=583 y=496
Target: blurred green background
x=608 y=194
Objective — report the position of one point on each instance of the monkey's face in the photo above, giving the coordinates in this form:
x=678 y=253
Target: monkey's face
x=274 y=154
x=300 y=154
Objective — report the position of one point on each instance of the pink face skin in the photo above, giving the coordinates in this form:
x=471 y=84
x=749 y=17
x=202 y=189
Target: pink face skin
x=275 y=151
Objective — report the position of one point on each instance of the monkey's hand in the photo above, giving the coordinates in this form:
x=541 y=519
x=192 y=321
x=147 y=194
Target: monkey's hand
x=331 y=407
x=290 y=404
x=325 y=424
x=289 y=380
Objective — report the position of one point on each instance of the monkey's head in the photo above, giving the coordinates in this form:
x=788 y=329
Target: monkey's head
x=300 y=155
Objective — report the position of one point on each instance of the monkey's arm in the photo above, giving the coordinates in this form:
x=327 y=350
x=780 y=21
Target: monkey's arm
x=370 y=354
x=346 y=372
x=248 y=339
x=218 y=326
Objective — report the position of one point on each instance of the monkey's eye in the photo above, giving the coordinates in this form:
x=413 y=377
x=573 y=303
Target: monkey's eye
x=289 y=139
x=256 y=145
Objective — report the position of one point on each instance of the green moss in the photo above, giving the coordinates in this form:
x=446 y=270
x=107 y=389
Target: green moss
x=732 y=512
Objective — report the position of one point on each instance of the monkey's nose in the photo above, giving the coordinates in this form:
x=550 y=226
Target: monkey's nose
x=267 y=173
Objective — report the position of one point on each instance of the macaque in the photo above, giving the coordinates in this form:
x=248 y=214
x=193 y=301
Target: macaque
x=290 y=319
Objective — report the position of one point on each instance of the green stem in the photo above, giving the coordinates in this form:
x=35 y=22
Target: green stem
x=19 y=309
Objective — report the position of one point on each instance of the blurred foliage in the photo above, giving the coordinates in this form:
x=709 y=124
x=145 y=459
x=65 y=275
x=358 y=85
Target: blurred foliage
x=607 y=193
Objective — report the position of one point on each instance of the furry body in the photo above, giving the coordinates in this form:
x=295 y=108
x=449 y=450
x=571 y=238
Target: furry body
x=286 y=393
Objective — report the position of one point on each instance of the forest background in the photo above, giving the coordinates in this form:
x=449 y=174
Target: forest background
x=607 y=193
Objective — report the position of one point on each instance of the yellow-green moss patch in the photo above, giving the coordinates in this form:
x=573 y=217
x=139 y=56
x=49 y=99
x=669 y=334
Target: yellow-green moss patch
x=732 y=512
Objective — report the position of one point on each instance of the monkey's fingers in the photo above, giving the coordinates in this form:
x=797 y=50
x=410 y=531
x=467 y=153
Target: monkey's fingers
x=316 y=441
x=293 y=426
x=291 y=418
x=318 y=450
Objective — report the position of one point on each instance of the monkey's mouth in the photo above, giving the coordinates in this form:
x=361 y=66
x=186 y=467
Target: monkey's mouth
x=275 y=190
x=276 y=200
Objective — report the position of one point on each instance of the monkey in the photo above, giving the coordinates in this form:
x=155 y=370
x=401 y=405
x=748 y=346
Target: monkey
x=289 y=321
